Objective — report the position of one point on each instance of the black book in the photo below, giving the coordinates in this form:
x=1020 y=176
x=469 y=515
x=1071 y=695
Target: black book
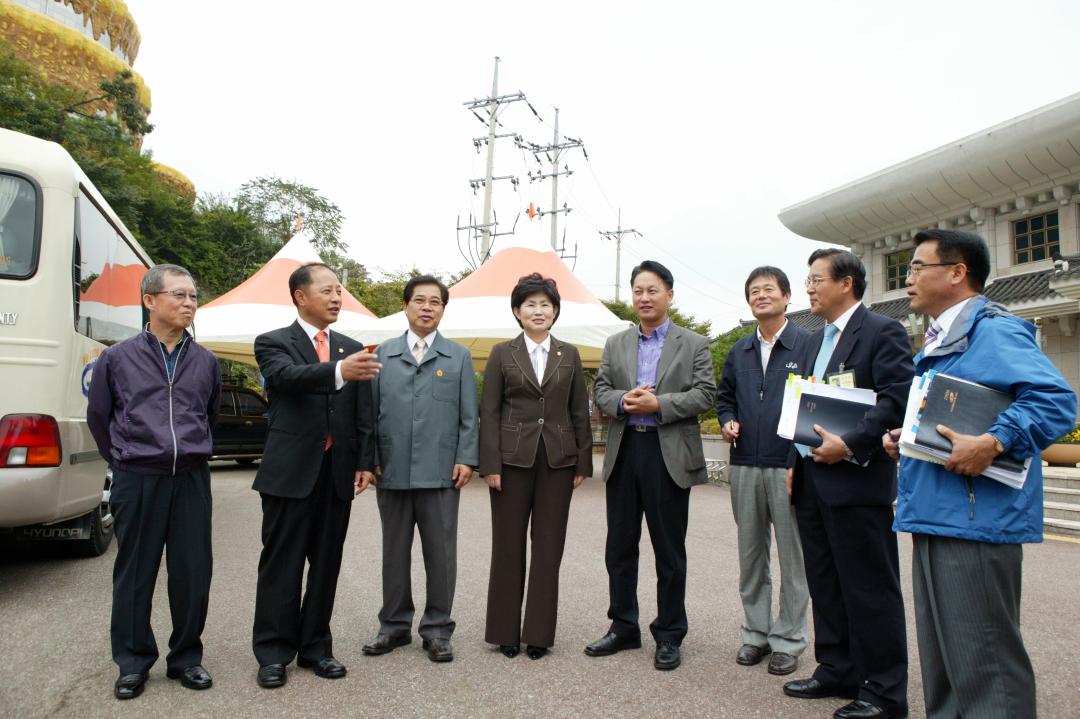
x=838 y=416
x=964 y=407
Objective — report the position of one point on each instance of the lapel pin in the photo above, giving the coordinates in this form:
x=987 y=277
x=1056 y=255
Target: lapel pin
x=438 y=373
x=341 y=350
x=559 y=354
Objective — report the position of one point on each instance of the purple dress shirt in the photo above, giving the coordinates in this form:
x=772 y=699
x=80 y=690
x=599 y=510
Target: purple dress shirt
x=648 y=359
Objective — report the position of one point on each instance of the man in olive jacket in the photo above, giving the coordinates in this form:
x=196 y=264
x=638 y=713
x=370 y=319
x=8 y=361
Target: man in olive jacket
x=428 y=444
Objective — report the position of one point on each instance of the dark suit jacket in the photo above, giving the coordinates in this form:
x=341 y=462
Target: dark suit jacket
x=517 y=409
x=304 y=407
x=876 y=349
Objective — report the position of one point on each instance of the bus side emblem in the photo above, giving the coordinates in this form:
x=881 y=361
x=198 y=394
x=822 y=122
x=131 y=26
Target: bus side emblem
x=87 y=373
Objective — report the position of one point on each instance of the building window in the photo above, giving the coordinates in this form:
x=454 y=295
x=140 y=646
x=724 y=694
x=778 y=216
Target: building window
x=1036 y=238
x=896 y=265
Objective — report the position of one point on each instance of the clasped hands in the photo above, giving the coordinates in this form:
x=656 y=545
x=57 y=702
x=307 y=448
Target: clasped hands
x=360 y=366
x=641 y=400
x=971 y=454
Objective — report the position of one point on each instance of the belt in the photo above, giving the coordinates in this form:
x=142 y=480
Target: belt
x=644 y=427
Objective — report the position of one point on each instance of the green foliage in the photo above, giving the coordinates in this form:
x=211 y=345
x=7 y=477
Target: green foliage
x=725 y=342
x=276 y=206
x=121 y=92
x=710 y=426
x=1070 y=438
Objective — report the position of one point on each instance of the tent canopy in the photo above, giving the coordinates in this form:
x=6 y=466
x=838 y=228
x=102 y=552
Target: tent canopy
x=229 y=325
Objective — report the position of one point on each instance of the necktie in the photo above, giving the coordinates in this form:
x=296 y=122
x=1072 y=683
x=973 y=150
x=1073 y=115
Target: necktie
x=322 y=351
x=825 y=353
x=931 y=334
x=418 y=350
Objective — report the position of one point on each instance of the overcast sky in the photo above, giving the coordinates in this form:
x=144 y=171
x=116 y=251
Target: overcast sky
x=701 y=120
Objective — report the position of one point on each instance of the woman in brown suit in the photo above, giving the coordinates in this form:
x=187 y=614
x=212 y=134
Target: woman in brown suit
x=535 y=449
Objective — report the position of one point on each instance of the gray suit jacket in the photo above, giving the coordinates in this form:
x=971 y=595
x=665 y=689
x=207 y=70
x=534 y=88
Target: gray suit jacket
x=685 y=387
x=427 y=414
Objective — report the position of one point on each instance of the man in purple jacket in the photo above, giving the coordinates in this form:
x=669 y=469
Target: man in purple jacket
x=153 y=400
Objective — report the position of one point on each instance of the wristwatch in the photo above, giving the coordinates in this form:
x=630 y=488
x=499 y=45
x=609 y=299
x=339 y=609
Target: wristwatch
x=998 y=446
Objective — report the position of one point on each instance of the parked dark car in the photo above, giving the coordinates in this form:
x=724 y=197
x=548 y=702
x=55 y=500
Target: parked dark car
x=240 y=430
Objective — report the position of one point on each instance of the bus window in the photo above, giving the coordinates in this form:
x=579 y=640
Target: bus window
x=109 y=273
x=19 y=227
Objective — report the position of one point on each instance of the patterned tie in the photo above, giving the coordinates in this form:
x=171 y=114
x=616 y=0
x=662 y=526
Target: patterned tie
x=322 y=351
x=418 y=350
x=931 y=334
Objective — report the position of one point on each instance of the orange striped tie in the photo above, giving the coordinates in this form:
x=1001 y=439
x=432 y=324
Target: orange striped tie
x=322 y=351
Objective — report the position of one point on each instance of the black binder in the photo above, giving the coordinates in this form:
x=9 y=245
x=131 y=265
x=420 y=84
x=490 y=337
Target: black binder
x=964 y=407
x=838 y=416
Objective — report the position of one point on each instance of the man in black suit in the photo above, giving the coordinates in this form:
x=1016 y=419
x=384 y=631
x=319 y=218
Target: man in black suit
x=319 y=454
x=843 y=493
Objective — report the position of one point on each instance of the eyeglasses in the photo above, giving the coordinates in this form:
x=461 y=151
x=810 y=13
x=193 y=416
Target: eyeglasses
x=179 y=295
x=815 y=281
x=915 y=268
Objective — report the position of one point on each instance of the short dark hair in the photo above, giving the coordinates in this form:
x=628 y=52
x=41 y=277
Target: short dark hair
x=843 y=264
x=960 y=246
x=531 y=285
x=301 y=277
x=768 y=271
x=415 y=282
x=657 y=269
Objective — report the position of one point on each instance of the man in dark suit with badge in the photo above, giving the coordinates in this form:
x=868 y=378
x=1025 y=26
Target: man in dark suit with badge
x=319 y=452
x=843 y=493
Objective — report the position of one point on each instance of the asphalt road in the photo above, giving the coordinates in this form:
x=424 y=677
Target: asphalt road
x=54 y=620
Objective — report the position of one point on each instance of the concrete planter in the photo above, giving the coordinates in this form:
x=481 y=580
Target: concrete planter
x=1062 y=455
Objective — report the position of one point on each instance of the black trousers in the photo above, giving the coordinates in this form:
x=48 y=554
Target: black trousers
x=640 y=484
x=153 y=513
x=544 y=494
x=853 y=573
x=311 y=529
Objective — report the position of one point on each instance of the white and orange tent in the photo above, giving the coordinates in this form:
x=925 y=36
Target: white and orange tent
x=228 y=325
x=478 y=314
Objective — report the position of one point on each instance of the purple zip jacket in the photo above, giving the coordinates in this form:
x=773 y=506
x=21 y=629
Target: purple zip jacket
x=142 y=422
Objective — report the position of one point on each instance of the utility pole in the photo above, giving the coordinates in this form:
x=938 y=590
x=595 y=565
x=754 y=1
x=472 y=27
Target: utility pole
x=492 y=105
x=617 y=236
x=553 y=153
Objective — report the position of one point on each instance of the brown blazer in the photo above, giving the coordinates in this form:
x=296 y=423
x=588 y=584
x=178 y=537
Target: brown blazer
x=517 y=409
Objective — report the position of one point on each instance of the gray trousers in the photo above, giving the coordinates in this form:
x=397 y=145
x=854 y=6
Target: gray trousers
x=967 y=616
x=759 y=499
x=435 y=513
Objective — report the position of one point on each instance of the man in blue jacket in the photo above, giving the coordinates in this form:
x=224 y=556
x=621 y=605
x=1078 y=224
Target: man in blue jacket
x=967 y=530
x=748 y=402
x=153 y=400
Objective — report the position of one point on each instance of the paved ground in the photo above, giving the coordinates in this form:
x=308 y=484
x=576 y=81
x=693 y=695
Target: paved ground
x=54 y=616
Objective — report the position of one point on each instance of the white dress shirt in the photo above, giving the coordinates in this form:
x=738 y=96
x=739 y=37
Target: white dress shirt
x=767 y=347
x=411 y=338
x=944 y=321
x=538 y=354
x=311 y=331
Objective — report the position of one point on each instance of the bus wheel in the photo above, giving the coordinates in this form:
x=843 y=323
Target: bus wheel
x=101 y=527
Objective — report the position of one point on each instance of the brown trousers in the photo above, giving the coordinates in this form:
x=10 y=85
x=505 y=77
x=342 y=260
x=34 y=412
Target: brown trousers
x=545 y=494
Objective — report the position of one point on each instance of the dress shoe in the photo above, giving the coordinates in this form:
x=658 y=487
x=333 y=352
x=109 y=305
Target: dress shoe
x=129 y=686
x=536 y=652
x=750 y=654
x=327 y=667
x=272 y=676
x=781 y=664
x=667 y=656
x=510 y=650
x=612 y=643
x=813 y=689
x=386 y=643
x=860 y=709
x=438 y=649
x=193 y=677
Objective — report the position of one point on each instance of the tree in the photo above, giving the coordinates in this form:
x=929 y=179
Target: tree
x=122 y=95
x=282 y=207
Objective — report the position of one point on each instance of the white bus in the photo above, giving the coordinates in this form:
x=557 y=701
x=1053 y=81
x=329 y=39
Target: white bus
x=69 y=286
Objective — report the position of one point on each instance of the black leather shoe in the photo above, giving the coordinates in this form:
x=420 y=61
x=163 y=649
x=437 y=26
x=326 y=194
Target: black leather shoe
x=612 y=643
x=129 y=686
x=327 y=667
x=750 y=654
x=272 y=676
x=193 y=677
x=386 y=643
x=813 y=689
x=860 y=709
x=667 y=656
x=781 y=664
x=536 y=652
x=510 y=650
x=439 y=649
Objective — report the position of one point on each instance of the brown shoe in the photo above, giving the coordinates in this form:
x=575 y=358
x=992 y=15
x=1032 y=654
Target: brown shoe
x=749 y=655
x=781 y=663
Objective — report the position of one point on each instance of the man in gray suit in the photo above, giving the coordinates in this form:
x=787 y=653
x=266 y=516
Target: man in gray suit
x=654 y=381
x=428 y=445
